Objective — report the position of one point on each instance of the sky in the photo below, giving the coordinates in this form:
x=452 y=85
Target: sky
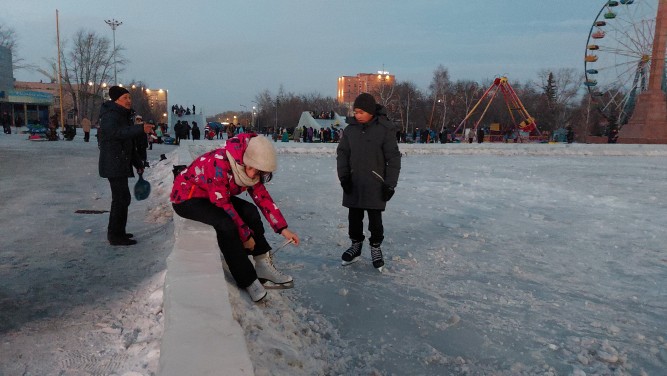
x=220 y=54
x=501 y=259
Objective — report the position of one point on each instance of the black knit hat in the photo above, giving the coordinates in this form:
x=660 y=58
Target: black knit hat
x=116 y=92
x=365 y=102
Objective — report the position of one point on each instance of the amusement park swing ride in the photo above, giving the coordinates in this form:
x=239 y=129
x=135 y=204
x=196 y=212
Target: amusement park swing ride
x=516 y=109
x=624 y=73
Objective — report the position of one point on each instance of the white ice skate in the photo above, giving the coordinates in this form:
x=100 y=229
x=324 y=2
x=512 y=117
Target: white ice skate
x=256 y=291
x=269 y=276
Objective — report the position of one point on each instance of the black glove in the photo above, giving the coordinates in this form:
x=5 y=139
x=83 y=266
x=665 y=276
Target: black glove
x=387 y=192
x=346 y=183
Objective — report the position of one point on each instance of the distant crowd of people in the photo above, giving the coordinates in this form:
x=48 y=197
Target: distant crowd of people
x=184 y=131
x=178 y=110
x=323 y=114
x=6 y=121
x=307 y=134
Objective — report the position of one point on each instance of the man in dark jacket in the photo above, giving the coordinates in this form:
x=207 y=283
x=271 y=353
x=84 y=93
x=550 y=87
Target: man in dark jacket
x=368 y=163
x=118 y=153
x=141 y=142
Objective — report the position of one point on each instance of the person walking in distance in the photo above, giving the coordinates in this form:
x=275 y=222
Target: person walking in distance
x=85 y=126
x=207 y=191
x=368 y=163
x=118 y=153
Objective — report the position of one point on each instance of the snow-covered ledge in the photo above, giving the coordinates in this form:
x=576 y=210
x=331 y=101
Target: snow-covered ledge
x=200 y=335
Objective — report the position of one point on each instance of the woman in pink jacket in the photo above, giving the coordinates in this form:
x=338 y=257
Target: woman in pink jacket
x=207 y=190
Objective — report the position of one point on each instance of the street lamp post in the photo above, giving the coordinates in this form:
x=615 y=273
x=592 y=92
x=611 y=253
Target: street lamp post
x=255 y=111
x=114 y=24
x=241 y=114
x=252 y=121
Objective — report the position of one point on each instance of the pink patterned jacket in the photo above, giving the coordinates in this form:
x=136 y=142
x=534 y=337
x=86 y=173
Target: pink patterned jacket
x=210 y=176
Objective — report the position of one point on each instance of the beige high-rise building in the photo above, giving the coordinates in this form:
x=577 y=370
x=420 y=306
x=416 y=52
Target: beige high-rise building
x=349 y=87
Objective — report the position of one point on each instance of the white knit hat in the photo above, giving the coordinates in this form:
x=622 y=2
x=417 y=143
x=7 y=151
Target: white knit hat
x=260 y=154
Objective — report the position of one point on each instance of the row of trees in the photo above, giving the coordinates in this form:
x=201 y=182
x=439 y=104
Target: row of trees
x=87 y=62
x=555 y=101
x=87 y=66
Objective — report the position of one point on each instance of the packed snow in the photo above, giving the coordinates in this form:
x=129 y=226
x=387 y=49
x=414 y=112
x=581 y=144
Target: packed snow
x=503 y=259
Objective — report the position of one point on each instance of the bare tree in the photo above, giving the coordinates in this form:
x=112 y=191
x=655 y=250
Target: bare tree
x=88 y=62
x=384 y=91
x=266 y=105
x=9 y=39
x=439 y=87
x=285 y=108
x=465 y=95
x=87 y=67
x=51 y=72
x=406 y=104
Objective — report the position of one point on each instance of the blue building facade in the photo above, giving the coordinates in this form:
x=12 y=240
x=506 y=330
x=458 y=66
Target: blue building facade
x=24 y=107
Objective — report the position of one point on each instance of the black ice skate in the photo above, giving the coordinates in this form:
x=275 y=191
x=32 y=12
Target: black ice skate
x=352 y=254
x=376 y=256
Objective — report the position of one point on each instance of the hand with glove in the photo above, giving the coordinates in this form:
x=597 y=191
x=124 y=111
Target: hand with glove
x=346 y=183
x=387 y=192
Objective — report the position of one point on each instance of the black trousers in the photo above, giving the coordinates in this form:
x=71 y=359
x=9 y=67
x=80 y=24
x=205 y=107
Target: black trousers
x=86 y=136
x=231 y=246
x=120 y=201
x=355 y=219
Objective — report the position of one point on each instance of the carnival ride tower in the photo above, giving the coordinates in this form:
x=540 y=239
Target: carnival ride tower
x=648 y=124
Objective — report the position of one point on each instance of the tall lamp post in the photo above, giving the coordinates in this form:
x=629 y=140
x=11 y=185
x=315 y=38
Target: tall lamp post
x=252 y=121
x=241 y=114
x=114 y=24
x=255 y=111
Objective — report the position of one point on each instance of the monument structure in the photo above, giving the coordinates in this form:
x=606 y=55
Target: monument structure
x=648 y=124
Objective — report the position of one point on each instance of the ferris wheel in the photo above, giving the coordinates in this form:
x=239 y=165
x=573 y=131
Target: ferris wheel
x=618 y=56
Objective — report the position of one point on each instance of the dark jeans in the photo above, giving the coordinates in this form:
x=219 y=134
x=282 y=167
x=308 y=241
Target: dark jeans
x=86 y=136
x=355 y=219
x=231 y=246
x=120 y=200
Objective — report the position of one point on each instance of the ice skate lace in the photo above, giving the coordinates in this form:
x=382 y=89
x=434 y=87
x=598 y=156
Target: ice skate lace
x=354 y=250
x=376 y=254
x=273 y=268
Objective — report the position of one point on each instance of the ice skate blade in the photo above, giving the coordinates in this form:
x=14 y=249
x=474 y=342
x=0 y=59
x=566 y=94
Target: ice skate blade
x=380 y=269
x=351 y=261
x=276 y=286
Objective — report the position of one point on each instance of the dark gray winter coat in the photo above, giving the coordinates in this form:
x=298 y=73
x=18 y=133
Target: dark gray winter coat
x=116 y=138
x=365 y=149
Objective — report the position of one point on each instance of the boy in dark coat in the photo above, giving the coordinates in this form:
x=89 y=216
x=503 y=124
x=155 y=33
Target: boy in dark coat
x=118 y=153
x=368 y=163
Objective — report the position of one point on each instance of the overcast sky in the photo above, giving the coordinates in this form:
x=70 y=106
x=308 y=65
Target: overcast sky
x=220 y=54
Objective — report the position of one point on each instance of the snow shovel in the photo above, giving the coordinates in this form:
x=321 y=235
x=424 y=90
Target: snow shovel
x=142 y=189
